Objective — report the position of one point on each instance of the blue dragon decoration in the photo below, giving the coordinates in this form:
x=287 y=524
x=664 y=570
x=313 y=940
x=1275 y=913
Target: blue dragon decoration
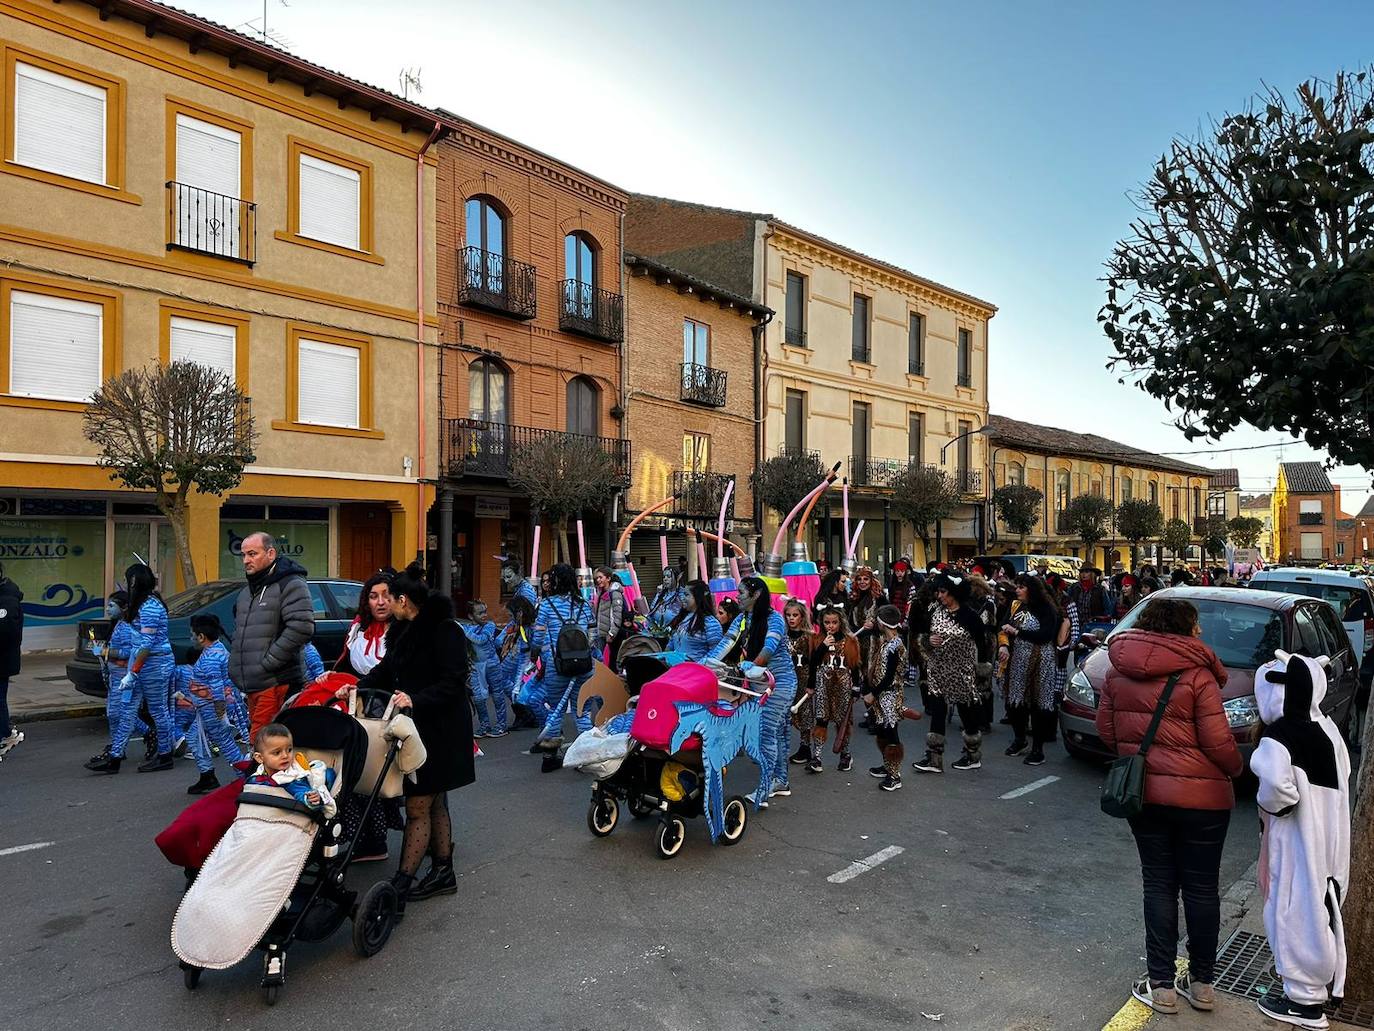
x=725 y=731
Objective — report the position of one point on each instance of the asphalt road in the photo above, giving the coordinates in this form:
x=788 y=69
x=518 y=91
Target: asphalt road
x=1019 y=913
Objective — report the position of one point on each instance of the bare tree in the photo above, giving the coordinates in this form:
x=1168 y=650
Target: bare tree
x=564 y=476
x=923 y=495
x=169 y=429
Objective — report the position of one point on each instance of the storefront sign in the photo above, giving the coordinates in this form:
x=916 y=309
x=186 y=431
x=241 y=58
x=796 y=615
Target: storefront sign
x=491 y=508
x=59 y=564
x=304 y=543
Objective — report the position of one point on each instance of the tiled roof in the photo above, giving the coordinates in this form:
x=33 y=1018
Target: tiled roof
x=1368 y=511
x=705 y=289
x=1049 y=439
x=1257 y=501
x=1226 y=479
x=1306 y=478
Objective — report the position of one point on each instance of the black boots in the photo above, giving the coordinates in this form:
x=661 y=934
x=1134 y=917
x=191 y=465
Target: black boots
x=157 y=763
x=104 y=763
x=440 y=880
x=207 y=783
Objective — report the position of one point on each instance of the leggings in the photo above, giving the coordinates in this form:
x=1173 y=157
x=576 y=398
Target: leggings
x=428 y=829
x=114 y=703
x=213 y=729
x=150 y=686
x=775 y=736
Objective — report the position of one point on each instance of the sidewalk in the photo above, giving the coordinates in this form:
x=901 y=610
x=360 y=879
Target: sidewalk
x=41 y=691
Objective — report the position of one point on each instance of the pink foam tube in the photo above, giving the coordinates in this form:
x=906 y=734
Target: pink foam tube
x=854 y=544
x=534 y=559
x=720 y=524
x=850 y=552
x=581 y=547
x=633 y=591
x=663 y=549
x=704 y=572
x=782 y=530
x=734 y=569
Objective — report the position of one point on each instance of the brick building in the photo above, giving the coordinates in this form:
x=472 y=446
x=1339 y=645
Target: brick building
x=690 y=358
x=530 y=328
x=1362 y=533
x=1306 y=507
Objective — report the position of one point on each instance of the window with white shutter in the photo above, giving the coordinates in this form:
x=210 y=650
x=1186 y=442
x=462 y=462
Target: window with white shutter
x=59 y=123
x=206 y=343
x=56 y=347
x=209 y=211
x=330 y=205
x=328 y=384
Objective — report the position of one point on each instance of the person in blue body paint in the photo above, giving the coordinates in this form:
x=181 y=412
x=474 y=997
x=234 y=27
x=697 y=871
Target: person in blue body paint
x=148 y=676
x=312 y=663
x=482 y=634
x=115 y=653
x=563 y=606
x=211 y=692
x=758 y=637
x=695 y=629
x=516 y=670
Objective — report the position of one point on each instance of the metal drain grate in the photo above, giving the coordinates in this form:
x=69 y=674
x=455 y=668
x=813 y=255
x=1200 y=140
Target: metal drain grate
x=1245 y=967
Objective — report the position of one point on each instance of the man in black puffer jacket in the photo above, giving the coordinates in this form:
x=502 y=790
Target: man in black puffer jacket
x=273 y=620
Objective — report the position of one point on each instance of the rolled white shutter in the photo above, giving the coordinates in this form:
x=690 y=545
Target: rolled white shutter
x=330 y=202
x=59 y=124
x=327 y=384
x=55 y=347
x=206 y=343
x=209 y=212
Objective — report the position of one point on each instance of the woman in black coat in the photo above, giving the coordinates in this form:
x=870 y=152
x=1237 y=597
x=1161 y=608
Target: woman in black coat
x=426 y=670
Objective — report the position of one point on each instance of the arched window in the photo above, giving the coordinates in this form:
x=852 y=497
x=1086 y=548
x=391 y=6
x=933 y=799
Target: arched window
x=1016 y=474
x=1127 y=488
x=1061 y=490
x=584 y=407
x=488 y=391
x=579 y=265
x=484 y=255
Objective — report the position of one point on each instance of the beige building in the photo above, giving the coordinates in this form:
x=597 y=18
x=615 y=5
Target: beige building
x=1261 y=507
x=868 y=364
x=174 y=190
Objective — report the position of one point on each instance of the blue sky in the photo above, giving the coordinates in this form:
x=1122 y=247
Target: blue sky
x=990 y=146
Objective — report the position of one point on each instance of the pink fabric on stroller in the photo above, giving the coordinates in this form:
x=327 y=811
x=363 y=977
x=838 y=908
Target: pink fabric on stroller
x=656 y=717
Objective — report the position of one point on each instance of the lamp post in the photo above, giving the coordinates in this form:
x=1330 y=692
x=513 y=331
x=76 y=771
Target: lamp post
x=980 y=431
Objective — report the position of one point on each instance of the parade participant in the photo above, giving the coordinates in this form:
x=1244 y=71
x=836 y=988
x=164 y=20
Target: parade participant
x=833 y=591
x=885 y=675
x=668 y=599
x=1129 y=597
x=1066 y=638
x=148 y=675
x=211 y=692
x=727 y=611
x=481 y=633
x=758 y=637
x=865 y=597
x=1090 y=598
x=515 y=583
x=114 y=654
x=11 y=646
x=513 y=667
x=901 y=587
x=425 y=669
x=982 y=601
x=1007 y=607
x=695 y=629
x=607 y=632
x=1303 y=769
x=950 y=656
x=312 y=666
x=836 y=668
x=1031 y=674
x=563 y=608
x=800 y=639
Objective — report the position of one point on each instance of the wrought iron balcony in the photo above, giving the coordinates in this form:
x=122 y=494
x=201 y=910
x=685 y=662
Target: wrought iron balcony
x=212 y=223
x=794 y=336
x=1310 y=519
x=965 y=380
x=788 y=449
x=867 y=471
x=487 y=450
x=699 y=495
x=915 y=368
x=495 y=282
x=594 y=313
x=703 y=385
x=970 y=481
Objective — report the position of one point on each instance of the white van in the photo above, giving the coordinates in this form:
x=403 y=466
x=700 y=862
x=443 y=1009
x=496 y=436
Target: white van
x=1351 y=596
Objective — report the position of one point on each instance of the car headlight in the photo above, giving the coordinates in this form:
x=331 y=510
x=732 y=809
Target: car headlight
x=1242 y=712
x=1080 y=690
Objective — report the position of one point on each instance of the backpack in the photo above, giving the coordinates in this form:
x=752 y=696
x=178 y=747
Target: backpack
x=572 y=649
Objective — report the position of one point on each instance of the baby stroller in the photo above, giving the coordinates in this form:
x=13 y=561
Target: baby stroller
x=277 y=875
x=663 y=767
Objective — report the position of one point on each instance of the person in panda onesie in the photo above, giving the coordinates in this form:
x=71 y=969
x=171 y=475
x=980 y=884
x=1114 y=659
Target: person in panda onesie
x=1304 y=866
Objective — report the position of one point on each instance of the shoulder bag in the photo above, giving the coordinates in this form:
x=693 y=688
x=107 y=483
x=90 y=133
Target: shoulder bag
x=1123 y=792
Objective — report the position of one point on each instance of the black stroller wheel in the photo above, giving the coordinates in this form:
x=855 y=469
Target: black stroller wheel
x=269 y=993
x=736 y=820
x=639 y=808
x=603 y=814
x=191 y=976
x=374 y=918
x=668 y=839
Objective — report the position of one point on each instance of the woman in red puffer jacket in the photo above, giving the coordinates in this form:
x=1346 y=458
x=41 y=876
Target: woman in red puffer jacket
x=1188 y=794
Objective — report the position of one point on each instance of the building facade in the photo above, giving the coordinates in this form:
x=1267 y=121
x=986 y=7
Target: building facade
x=867 y=364
x=690 y=357
x=1306 y=506
x=531 y=323
x=1261 y=507
x=1063 y=464
x=171 y=189
x=1362 y=533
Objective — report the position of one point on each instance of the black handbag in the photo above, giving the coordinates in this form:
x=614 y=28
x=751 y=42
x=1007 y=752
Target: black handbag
x=1123 y=792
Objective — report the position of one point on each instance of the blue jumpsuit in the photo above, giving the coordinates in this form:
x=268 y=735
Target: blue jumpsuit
x=560 y=692
x=694 y=646
x=211 y=692
x=314 y=665
x=118 y=650
x=482 y=637
x=504 y=674
x=151 y=683
x=777 y=717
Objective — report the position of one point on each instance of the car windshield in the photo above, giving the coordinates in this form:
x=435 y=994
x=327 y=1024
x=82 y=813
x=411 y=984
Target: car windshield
x=1351 y=603
x=1243 y=636
x=187 y=602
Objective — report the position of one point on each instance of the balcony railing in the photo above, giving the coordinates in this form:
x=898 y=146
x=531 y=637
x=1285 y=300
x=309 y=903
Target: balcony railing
x=794 y=336
x=970 y=481
x=591 y=312
x=788 y=449
x=1061 y=523
x=496 y=282
x=699 y=495
x=703 y=385
x=965 y=380
x=212 y=223
x=867 y=471
x=915 y=368
x=482 y=449
x=1309 y=519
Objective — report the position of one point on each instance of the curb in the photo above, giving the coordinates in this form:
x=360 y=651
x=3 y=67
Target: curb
x=65 y=712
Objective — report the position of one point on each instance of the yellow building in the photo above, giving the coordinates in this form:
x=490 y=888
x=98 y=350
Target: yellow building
x=867 y=364
x=1261 y=507
x=1063 y=465
x=171 y=189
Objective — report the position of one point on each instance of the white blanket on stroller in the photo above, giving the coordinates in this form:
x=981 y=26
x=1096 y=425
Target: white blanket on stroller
x=598 y=754
x=244 y=884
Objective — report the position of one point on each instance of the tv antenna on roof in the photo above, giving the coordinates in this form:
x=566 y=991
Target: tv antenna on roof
x=410 y=79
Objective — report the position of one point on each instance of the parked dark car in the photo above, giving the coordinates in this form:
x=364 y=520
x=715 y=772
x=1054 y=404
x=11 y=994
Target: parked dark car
x=1243 y=627
x=335 y=602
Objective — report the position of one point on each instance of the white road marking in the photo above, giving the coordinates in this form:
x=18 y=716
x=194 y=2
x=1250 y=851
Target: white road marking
x=1034 y=785
x=26 y=848
x=860 y=865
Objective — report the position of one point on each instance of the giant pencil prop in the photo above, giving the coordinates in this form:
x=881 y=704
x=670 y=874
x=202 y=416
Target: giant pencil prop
x=850 y=565
x=619 y=561
x=802 y=576
x=723 y=584
x=771 y=567
x=584 y=571
x=533 y=578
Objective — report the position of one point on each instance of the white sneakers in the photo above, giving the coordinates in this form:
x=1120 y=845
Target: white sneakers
x=8 y=743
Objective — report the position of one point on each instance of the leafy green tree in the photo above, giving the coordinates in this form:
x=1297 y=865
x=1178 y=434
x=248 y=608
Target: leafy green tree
x=1018 y=507
x=1137 y=521
x=1245 y=531
x=1089 y=517
x=923 y=495
x=1176 y=536
x=1215 y=536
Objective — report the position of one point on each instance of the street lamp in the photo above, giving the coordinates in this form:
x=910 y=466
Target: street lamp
x=981 y=430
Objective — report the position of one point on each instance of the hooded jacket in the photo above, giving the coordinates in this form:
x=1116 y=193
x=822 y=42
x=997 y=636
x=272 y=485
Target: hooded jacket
x=11 y=626
x=273 y=621
x=1194 y=755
